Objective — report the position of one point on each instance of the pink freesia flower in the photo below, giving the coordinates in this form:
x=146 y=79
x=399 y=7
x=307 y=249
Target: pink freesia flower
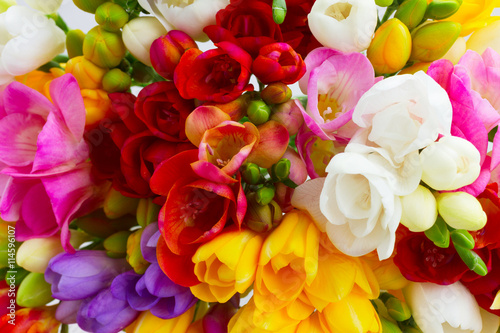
x=471 y=115
x=334 y=82
x=44 y=158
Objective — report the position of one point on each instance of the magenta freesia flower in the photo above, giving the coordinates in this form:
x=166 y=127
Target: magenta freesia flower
x=334 y=82
x=44 y=155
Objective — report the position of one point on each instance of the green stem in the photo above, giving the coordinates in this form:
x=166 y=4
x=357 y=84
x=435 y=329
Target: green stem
x=64 y=328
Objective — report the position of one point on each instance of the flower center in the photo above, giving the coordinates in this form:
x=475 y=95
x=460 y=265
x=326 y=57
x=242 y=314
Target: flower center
x=196 y=206
x=339 y=11
x=329 y=106
x=435 y=257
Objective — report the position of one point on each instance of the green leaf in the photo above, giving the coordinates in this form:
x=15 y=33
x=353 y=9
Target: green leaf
x=472 y=260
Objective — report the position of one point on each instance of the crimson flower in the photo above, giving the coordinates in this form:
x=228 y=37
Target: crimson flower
x=278 y=62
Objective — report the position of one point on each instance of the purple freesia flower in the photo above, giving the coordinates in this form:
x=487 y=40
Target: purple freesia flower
x=82 y=274
x=219 y=315
x=149 y=239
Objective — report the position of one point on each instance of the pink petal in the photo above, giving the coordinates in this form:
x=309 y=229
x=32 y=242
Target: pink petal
x=12 y=197
x=211 y=172
x=272 y=145
x=313 y=60
x=18 y=98
x=18 y=136
x=495 y=153
x=201 y=119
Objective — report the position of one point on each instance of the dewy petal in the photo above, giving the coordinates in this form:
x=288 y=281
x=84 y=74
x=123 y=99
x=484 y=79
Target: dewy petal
x=202 y=119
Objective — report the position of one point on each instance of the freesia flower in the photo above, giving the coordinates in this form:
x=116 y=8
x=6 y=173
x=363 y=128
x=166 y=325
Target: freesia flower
x=34 y=254
x=473 y=15
x=218 y=316
x=443 y=309
x=29 y=41
x=278 y=62
x=189 y=16
x=31 y=320
x=334 y=82
x=46 y=6
x=139 y=34
x=484 y=38
x=347 y=26
x=147 y=322
x=226 y=265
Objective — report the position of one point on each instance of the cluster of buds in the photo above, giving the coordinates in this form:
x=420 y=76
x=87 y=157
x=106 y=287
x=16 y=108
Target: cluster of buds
x=415 y=35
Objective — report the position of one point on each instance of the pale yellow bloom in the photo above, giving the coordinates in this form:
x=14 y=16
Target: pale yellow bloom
x=147 y=323
x=474 y=15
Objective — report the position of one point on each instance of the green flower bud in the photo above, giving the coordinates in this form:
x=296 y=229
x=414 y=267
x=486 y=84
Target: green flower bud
x=279 y=11
x=398 y=310
x=117 y=205
x=281 y=170
x=261 y=218
x=34 y=291
x=411 y=12
x=147 y=212
x=116 y=81
x=74 y=43
x=134 y=254
x=419 y=209
x=383 y=3
x=472 y=260
x=5 y=4
x=276 y=93
x=431 y=41
x=258 y=112
x=410 y=329
x=251 y=173
x=88 y=6
x=265 y=195
x=439 y=233
x=389 y=326
x=110 y=16
x=17 y=277
x=441 y=9
x=463 y=238
x=103 y=48
x=116 y=244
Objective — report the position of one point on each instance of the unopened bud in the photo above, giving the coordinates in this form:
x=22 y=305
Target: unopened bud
x=472 y=260
x=88 y=75
x=398 y=310
x=139 y=34
x=5 y=4
x=441 y=9
x=134 y=254
x=116 y=81
x=276 y=93
x=88 y=6
x=251 y=173
x=74 y=43
x=261 y=218
x=265 y=195
x=419 y=209
x=431 y=41
x=390 y=47
x=289 y=115
x=258 y=112
x=34 y=291
x=280 y=170
x=117 y=205
x=111 y=16
x=34 y=254
x=463 y=238
x=388 y=326
x=279 y=11
x=411 y=12
x=383 y=3
x=147 y=212
x=460 y=210
x=116 y=244
x=103 y=48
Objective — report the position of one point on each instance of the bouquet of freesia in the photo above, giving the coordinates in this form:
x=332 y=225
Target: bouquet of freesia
x=148 y=185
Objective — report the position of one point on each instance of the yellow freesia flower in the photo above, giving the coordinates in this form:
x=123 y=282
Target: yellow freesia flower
x=474 y=15
x=311 y=325
x=288 y=261
x=353 y=314
x=147 y=322
x=226 y=265
x=97 y=104
x=40 y=81
x=386 y=272
x=88 y=75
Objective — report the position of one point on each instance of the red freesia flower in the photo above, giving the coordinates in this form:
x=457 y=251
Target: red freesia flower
x=195 y=211
x=219 y=75
x=278 y=62
x=31 y=321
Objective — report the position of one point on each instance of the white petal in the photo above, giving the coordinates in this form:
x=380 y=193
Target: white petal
x=306 y=197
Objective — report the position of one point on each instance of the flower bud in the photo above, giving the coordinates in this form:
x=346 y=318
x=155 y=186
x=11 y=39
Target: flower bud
x=398 y=310
x=276 y=93
x=460 y=210
x=251 y=173
x=431 y=41
x=289 y=115
x=147 y=212
x=5 y=4
x=279 y=11
x=98 y=225
x=139 y=34
x=472 y=260
x=117 y=205
x=236 y=109
x=411 y=12
x=390 y=48
x=441 y=9
x=116 y=81
x=265 y=195
x=34 y=291
x=116 y=244
x=383 y=3
x=74 y=43
x=97 y=105
x=280 y=170
x=88 y=75
x=89 y=6
x=388 y=326
x=258 y=112
x=463 y=238
x=134 y=255
x=103 y=48
x=419 y=209
x=450 y=163
x=34 y=254
x=439 y=233
x=261 y=218
x=111 y=16
x=166 y=52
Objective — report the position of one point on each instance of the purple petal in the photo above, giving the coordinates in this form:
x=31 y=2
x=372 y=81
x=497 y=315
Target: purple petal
x=149 y=239
x=67 y=310
x=141 y=299
x=124 y=284
x=159 y=284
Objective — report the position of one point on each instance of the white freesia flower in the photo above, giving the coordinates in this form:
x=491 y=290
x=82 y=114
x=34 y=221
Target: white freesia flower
x=443 y=309
x=360 y=205
x=190 y=16
x=138 y=35
x=28 y=40
x=450 y=163
x=45 y=6
x=419 y=209
x=345 y=25
x=397 y=117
